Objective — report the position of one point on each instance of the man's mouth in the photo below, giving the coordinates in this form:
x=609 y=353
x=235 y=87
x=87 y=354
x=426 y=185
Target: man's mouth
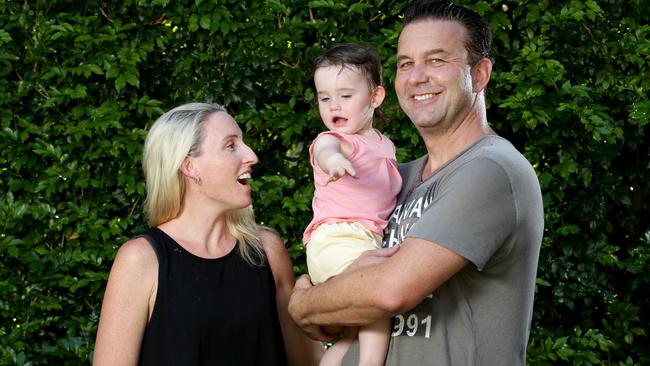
x=422 y=97
x=243 y=179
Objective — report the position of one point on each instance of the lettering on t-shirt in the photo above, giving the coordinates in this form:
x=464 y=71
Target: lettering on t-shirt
x=418 y=321
x=405 y=215
x=415 y=323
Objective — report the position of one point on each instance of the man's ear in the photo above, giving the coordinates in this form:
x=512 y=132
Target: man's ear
x=481 y=74
x=377 y=96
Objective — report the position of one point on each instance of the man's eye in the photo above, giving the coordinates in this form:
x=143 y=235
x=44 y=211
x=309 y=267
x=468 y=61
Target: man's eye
x=405 y=65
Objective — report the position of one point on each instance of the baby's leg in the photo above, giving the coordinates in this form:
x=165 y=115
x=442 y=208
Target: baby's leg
x=335 y=354
x=373 y=343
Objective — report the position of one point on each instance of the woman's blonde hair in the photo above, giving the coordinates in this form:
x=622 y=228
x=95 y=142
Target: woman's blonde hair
x=174 y=136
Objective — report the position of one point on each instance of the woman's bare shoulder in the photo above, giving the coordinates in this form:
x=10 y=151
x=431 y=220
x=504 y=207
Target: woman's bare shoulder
x=277 y=255
x=137 y=253
x=271 y=239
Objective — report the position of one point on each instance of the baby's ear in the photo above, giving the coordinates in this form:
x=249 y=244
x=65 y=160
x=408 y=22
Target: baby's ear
x=377 y=96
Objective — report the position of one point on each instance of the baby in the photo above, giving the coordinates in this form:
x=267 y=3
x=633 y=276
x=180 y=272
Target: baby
x=356 y=181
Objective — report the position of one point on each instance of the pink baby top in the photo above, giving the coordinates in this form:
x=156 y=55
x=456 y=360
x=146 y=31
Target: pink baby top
x=369 y=198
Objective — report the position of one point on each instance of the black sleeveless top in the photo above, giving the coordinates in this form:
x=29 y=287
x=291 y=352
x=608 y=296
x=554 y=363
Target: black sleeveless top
x=210 y=311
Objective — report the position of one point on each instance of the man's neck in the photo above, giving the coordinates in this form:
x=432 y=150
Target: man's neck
x=445 y=146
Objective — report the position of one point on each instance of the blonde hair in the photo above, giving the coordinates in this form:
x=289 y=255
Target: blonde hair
x=175 y=135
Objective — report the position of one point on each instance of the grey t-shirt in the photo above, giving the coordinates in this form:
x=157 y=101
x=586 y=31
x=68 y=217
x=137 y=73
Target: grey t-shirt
x=486 y=206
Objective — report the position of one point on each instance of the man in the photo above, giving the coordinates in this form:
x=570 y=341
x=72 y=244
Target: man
x=469 y=219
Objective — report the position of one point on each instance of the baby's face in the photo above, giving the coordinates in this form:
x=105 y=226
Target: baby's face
x=345 y=100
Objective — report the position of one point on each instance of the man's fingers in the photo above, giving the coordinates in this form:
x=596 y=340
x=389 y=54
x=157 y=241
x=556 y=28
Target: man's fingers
x=373 y=257
x=386 y=252
x=316 y=333
x=303 y=282
x=313 y=331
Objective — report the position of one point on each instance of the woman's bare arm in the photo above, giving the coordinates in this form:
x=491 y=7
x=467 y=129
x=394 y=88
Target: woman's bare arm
x=300 y=349
x=127 y=304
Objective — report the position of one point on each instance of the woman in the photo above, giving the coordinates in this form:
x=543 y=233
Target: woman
x=205 y=285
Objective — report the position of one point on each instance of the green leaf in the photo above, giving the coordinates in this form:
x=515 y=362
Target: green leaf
x=120 y=82
x=205 y=22
x=5 y=37
x=359 y=8
x=193 y=23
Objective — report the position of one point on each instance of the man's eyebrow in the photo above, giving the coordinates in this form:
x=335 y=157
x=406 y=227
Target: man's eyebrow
x=434 y=51
x=402 y=57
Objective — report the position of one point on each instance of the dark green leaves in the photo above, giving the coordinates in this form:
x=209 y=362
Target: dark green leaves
x=80 y=85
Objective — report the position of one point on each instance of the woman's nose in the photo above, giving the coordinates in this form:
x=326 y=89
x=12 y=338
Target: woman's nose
x=251 y=157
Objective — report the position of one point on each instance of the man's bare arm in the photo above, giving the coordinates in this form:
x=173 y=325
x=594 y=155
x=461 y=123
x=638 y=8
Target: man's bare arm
x=377 y=291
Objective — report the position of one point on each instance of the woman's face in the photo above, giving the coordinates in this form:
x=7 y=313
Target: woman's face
x=224 y=163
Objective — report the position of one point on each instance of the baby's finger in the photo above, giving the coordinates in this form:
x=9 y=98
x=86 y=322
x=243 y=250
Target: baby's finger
x=332 y=178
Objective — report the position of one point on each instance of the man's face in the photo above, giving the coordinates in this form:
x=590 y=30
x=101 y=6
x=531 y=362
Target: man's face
x=433 y=80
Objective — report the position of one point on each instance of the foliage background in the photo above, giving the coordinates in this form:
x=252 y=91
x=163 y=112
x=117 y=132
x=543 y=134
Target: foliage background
x=82 y=81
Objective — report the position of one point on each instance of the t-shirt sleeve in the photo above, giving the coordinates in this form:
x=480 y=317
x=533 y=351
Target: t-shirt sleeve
x=473 y=214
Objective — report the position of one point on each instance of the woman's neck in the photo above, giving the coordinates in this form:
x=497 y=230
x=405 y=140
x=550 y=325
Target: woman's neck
x=201 y=234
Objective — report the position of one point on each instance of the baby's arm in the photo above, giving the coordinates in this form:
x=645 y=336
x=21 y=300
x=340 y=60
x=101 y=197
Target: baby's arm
x=330 y=155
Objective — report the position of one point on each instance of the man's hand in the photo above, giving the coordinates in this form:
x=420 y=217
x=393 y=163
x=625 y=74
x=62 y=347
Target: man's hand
x=315 y=332
x=373 y=257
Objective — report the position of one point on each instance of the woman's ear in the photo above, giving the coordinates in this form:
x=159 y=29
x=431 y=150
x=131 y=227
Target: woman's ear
x=377 y=96
x=481 y=74
x=188 y=168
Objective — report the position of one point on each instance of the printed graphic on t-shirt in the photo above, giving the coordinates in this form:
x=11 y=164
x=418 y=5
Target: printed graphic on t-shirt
x=405 y=215
x=417 y=322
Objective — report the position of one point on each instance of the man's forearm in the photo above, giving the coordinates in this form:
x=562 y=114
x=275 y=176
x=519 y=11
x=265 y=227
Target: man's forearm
x=370 y=290
x=351 y=298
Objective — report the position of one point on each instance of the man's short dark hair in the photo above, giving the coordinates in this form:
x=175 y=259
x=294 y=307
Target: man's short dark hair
x=478 y=30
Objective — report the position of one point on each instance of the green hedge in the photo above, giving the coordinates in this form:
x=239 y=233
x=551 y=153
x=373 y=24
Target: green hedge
x=82 y=81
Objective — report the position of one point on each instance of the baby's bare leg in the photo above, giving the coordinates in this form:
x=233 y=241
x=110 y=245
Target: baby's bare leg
x=373 y=343
x=335 y=354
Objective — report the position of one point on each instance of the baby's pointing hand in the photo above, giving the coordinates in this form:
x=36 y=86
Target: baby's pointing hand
x=340 y=166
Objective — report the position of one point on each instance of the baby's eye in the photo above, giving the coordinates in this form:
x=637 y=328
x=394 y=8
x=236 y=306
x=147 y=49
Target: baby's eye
x=325 y=99
x=346 y=96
